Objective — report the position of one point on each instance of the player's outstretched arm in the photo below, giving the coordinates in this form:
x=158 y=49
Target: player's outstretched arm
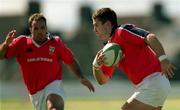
x=77 y=71
x=166 y=67
x=4 y=45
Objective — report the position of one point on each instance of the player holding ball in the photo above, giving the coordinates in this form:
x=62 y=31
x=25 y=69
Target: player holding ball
x=143 y=61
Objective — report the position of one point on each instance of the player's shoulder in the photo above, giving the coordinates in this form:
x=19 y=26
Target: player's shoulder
x=131 y=28
x=54 y=38
x=127 y=26
x=22 y=38
x=57 y=38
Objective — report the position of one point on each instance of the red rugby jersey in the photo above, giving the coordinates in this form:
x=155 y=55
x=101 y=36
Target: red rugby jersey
x=39 y=65
x=139 y=60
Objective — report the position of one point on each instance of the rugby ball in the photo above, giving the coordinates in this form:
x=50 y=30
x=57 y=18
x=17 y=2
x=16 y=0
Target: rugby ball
x=112 y=53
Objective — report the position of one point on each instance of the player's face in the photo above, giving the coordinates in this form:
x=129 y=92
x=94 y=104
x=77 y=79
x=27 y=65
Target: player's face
x=38 y=30
x=101 y=30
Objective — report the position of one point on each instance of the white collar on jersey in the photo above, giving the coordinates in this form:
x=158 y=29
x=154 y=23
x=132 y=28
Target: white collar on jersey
x=37 y=45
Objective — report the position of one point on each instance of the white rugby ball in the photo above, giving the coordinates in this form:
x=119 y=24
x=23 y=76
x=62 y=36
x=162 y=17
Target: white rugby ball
x=113 y=54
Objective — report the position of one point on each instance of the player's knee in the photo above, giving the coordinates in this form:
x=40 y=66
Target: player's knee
x=55 y=102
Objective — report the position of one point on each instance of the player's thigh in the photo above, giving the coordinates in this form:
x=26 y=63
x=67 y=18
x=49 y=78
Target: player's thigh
x=55 y=95
x=150 y=95
x=154 y=91
x=137 y=105
x=38 y=100
x=55 y=87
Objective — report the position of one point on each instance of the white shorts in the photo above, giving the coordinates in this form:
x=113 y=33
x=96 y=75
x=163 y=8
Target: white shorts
x=153 y=90
x=39 y=99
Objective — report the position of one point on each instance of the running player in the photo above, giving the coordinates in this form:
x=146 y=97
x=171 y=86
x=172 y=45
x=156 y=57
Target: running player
x=144 y=61
x=39 y=58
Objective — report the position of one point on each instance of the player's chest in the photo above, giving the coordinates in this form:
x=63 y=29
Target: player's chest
x=33 y=51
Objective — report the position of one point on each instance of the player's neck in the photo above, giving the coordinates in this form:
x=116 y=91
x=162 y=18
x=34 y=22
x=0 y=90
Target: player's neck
x=40 y=42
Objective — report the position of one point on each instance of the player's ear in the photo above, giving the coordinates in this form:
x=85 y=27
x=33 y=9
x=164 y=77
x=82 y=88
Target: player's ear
x=30 y=29
x=106 y=23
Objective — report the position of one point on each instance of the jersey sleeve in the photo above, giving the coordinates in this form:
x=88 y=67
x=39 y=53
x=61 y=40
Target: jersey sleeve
x=13 y=47
x=65 y=53
x=133 y=34
x=107 y=70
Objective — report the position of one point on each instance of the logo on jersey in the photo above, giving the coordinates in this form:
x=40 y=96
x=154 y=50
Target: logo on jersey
x=51 y=49
x=39 y=59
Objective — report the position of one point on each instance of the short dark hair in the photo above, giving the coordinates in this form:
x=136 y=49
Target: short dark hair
x=106 y=14
x=36 y=17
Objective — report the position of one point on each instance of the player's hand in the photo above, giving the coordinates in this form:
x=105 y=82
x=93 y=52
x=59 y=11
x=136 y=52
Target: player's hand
x=88 y=84
x=99 y=59
x=10 y=37
x=167 y=68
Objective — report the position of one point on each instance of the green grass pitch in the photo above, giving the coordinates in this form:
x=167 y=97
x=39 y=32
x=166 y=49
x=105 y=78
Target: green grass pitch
x=83 y=104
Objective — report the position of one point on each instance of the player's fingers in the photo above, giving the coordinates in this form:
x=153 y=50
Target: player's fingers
x=12 y=33
x=100 y=59
x=90 y=89
x=165 y=75
x=165 y=72
x=99 y=53
x=168 y=73
x=171 y=72
x=90 y=86
x=174 y=68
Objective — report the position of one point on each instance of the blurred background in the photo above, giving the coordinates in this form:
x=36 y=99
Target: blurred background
x=71 y=20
